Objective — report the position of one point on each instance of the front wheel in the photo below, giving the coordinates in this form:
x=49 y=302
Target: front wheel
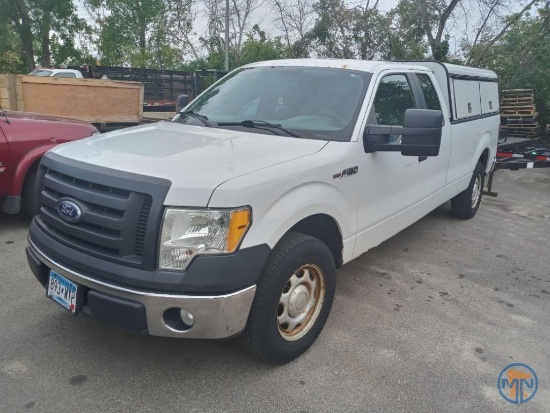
x=293 y=299
x=466 y=204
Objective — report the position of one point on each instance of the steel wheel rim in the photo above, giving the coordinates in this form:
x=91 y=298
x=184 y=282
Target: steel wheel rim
x=300 y=302
x=476 y=192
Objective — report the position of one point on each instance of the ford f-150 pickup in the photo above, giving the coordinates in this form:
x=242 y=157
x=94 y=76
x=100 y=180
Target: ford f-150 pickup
x=232 y=219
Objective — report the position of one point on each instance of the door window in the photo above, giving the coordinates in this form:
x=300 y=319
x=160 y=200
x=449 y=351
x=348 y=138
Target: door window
x=393 y=98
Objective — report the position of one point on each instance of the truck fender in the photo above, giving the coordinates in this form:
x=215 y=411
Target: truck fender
x=484 y=143
x=300 y=202
x=23 y=166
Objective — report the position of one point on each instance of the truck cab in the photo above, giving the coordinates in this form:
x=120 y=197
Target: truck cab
x=232 y=219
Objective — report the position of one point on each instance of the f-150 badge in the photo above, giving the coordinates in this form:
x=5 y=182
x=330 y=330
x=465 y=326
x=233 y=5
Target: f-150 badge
x=346 y=172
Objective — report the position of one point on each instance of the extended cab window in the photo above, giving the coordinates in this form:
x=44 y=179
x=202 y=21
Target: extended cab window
x=430 y=95
x=393 y=98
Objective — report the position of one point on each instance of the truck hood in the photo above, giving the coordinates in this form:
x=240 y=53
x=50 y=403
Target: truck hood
x=195 y=159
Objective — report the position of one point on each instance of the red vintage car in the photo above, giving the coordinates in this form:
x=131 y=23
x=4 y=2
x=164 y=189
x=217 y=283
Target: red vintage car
x=24 y=138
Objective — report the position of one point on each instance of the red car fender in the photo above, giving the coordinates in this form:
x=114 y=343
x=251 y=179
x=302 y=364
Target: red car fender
x=24 y=165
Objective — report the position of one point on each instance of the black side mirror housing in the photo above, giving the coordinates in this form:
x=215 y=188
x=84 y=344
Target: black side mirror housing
x=420 y=134
x=182 y=102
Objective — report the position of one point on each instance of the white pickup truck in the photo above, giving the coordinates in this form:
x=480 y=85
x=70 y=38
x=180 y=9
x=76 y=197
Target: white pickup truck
x=232 y=219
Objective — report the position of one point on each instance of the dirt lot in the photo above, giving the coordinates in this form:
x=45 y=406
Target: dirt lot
x=423 y=323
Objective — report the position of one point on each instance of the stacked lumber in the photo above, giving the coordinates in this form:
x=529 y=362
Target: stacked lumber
x=518 y=114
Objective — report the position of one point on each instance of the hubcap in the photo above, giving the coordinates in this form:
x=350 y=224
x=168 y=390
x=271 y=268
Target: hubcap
x=300 y=302
x=476 y=191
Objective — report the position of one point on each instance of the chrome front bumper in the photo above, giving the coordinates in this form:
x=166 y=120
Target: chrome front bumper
x=218 y=316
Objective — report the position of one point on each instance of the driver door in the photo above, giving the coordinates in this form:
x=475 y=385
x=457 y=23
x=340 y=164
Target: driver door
x=392 y=184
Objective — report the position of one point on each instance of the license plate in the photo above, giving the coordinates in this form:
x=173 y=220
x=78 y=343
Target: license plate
x=63 y=291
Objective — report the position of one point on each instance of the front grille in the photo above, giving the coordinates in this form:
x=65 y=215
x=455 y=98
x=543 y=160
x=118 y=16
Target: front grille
x=114 y=220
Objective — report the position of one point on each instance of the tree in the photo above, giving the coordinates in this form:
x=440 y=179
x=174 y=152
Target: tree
x=19 y=13
x=41 y=22
x=406 y=36
x=488 y=34
x=258 y=47
x=294 y=18
x=126 y=28
x=521 y=57
x=10 y=56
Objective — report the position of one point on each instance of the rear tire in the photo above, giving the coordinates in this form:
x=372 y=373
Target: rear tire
x=293 y=299
x=466 y=204
x=28 y=201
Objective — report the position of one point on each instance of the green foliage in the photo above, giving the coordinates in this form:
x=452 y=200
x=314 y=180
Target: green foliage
x=522 y=59
x=11 y=60
x=257 y=47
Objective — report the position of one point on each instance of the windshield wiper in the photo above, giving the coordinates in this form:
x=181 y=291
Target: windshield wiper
x=261 y=124
x=202 y=118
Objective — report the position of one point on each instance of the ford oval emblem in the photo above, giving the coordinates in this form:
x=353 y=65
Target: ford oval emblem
x=69 y=210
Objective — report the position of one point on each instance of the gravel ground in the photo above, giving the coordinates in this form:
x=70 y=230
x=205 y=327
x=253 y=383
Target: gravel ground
x=423 y=323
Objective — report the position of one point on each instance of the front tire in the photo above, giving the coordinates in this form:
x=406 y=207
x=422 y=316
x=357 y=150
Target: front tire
x=293 y=299
x=466 y=204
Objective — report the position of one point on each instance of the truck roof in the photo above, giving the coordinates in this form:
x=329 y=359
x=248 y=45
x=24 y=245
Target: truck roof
x=370 y=65
x=354 y=64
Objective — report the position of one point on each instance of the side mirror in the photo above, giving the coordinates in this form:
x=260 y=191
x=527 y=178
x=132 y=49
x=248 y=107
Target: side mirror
x=182 y=102
x=420 y=134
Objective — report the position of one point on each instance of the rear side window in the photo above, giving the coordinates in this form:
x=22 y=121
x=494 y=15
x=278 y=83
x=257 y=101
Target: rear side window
x=430 y=95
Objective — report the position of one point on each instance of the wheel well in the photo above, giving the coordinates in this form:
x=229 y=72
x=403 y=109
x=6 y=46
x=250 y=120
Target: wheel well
x=30 y=169
x=484 y=158
x=324 y=228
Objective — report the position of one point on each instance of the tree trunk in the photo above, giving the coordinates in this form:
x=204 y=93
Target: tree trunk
x=21 y=19
x=26 y=41
x=46 y=26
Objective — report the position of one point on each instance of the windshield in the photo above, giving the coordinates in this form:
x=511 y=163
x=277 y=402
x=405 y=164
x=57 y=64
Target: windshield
x=40 y=73
x=311 y=102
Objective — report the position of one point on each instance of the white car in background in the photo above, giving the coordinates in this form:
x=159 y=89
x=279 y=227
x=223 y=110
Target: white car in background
x=70 y=73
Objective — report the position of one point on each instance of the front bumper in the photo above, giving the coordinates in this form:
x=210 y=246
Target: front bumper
x=216 y=316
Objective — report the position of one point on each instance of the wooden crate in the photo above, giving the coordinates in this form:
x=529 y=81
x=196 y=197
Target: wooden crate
x=8 y=96
x=90 y=100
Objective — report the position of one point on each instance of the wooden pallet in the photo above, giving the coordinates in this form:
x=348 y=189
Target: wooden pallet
x=517 y=101
x=524 y=132
x=520 y=121
x=519 y=116
x=522 y=125
x=517 y=110
x=518 y=93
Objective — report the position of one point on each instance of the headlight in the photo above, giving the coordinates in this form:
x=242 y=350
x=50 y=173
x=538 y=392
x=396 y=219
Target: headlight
x=186 y=233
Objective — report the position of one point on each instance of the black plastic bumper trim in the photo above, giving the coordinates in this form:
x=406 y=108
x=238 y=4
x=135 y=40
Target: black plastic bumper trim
x=214 y=274
x=39 y=270
x=116 y=310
